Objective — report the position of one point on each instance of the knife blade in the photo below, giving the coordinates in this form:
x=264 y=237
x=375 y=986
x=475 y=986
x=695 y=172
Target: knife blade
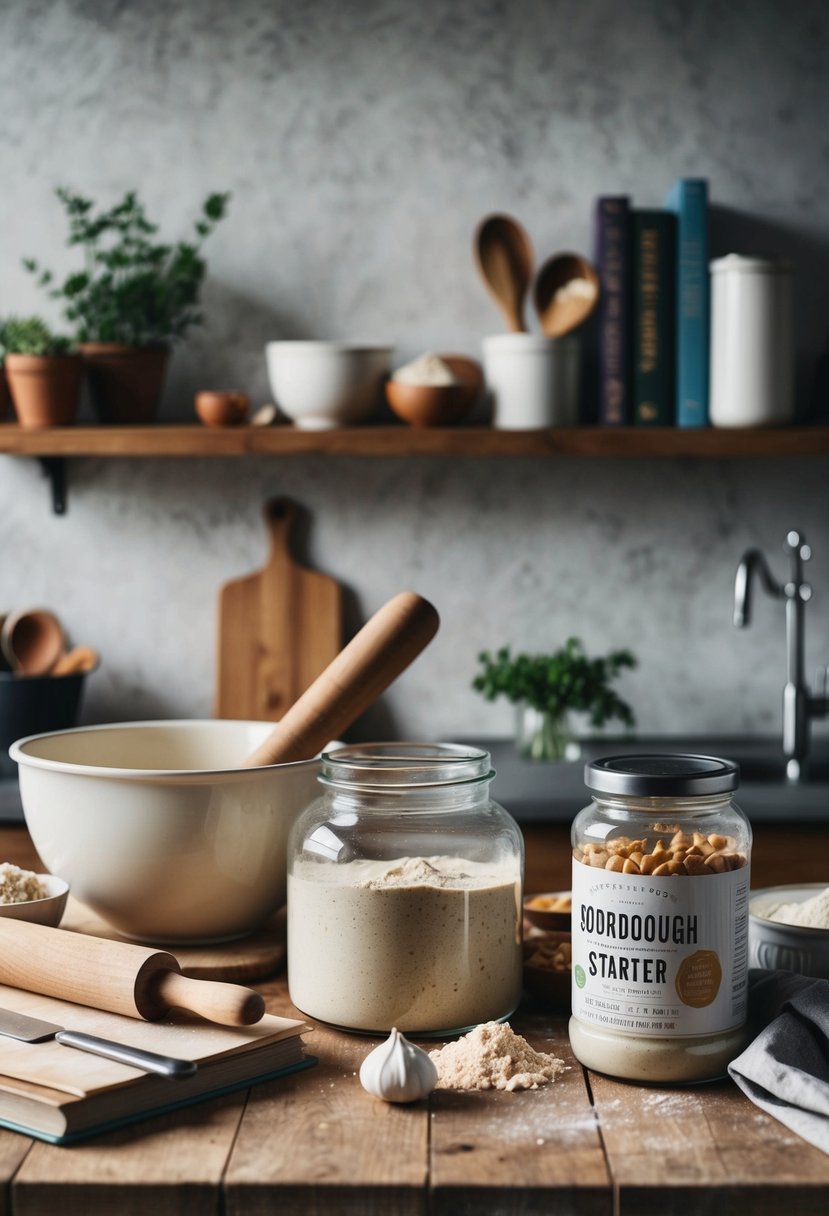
x=20 y=1026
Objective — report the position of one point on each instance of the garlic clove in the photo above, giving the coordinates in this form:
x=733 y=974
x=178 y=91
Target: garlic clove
x=397 y=1071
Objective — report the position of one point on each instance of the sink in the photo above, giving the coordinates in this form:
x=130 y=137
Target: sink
x=535 y=791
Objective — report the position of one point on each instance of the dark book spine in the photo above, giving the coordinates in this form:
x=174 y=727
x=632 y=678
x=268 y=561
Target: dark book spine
x=612 y=261
x=654 y=318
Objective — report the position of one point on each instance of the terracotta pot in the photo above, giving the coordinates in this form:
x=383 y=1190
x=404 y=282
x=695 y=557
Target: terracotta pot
x=44 y=388
x=222 y=408
x=125 y=381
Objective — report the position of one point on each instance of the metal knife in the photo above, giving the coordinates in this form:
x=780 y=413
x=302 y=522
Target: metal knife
x=32 y=1030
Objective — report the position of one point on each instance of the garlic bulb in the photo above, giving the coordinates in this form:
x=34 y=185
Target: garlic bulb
x=397 y=1071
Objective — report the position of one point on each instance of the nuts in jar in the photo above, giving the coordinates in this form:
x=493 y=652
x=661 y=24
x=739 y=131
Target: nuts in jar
x=660 y=918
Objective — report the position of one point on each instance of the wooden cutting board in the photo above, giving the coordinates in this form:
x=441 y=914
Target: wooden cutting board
x=250 y=958
x=278 y=628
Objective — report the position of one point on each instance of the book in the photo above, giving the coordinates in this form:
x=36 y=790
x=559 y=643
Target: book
x=62 y=1095
x=688 y=200
x=611 y=256
x=654 y=312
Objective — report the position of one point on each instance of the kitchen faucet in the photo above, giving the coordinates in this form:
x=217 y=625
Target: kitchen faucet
x=799 y=704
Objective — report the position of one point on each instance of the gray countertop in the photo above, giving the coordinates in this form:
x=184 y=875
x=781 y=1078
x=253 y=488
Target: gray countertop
x=538 y=792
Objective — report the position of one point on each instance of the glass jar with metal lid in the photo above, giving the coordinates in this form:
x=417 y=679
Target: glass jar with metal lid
x=660 y=918
x=404 y=893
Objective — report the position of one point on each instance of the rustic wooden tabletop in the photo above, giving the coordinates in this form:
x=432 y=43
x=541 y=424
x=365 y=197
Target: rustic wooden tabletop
x=316 y=1143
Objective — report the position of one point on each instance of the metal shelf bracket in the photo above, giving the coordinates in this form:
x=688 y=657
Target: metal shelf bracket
x=54 y=467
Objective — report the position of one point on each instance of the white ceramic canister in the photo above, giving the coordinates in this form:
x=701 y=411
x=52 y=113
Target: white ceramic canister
x=752 y=342
x=533 y=380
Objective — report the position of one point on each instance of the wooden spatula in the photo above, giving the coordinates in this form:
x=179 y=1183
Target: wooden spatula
x=374 y=657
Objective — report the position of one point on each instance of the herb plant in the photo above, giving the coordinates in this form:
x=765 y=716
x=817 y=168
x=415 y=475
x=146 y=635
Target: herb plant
x=555 y=683
x=30 y=336
x=132 y=289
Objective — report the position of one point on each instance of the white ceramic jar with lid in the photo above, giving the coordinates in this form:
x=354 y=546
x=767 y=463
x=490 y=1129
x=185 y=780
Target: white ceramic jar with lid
x=752 y=342
x=660 y=885
x=404 y=893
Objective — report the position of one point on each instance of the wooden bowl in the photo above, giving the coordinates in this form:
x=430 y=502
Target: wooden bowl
x=46 y=911
x=549 y=910
x=422 y=405
x=222 y=408
x=543 y=979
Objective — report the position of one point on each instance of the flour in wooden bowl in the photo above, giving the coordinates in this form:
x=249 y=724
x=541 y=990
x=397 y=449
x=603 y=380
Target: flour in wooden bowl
x=493 y=1056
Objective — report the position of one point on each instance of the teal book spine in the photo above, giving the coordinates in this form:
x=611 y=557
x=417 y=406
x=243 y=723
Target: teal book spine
x=688 y=200
x=654 y=317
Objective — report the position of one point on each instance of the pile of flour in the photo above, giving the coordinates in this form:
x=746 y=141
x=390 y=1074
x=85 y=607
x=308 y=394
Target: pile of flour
x=810 y=913
x=493 y=1056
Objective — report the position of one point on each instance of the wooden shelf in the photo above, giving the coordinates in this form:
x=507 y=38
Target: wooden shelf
x=187 y=440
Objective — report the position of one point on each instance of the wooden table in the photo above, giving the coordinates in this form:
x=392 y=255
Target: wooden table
x=316 y=1143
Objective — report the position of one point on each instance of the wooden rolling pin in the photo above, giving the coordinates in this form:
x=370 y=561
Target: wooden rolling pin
x=363 y=669
x=117 y=976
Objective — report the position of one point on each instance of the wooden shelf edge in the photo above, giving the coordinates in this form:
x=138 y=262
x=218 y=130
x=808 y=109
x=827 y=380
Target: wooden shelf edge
x=192 y=440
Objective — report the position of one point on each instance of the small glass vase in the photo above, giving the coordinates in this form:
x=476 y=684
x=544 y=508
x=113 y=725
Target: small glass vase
x=545 y=736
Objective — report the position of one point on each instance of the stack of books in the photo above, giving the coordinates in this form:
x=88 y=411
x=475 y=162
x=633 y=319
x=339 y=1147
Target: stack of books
x=653 y=318
x=62 y=1095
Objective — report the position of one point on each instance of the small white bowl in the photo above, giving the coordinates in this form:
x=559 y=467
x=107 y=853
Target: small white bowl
x=774 y=945
x=46 y=911
x=320 y=385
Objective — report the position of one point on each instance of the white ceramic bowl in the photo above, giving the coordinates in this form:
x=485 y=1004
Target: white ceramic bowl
x=777 y=946
x=319 y=385
x=46 y=911
x=157 y=827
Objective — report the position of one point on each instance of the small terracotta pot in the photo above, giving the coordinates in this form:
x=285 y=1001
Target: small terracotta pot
x=44 y=388
x=125 y=381
x=222 y=408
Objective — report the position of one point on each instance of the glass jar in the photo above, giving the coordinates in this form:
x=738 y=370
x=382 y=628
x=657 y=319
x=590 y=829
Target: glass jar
x=661 y=861
x=404 y=893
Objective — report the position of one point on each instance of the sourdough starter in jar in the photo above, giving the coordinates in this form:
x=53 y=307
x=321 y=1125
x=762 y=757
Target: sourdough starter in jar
x=404 y=893
x=418 y=943
x=660 y=919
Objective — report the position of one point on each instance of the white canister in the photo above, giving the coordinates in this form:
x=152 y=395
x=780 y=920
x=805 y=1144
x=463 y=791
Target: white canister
x=533 y=380
x=752 y=342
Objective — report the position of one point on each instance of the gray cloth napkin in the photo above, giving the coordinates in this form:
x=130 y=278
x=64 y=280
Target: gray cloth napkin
x=785 y=1070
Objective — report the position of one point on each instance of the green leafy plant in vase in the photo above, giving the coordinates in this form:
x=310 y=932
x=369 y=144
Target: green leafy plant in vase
x=132 y=299
x=547 y=688
x=43 y=373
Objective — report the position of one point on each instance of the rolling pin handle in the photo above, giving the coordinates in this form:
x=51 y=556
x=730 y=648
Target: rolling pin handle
x=228 y=1004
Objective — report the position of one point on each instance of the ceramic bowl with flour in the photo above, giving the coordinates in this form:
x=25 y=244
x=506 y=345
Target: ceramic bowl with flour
x=789 y=929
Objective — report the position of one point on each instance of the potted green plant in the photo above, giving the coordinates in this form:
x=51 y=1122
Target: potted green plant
x=44 y=374
x=133 y=298
x=546 y=688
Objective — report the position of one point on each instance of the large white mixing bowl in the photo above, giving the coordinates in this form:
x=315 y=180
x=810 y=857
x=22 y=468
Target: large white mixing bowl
x=158 y=829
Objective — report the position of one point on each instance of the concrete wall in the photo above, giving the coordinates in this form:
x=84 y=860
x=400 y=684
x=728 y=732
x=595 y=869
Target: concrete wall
x=362 y=143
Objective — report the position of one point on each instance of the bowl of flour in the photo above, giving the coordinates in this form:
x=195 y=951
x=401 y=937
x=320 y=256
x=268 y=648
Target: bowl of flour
x=789 y=929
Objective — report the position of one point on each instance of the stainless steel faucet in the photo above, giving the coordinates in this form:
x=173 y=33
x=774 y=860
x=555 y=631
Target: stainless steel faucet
x=799 y=704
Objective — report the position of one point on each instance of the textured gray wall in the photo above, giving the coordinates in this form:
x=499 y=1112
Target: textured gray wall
x=362 y=143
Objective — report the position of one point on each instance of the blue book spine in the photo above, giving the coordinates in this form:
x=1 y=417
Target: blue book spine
x=688 y=199
x=611 y=257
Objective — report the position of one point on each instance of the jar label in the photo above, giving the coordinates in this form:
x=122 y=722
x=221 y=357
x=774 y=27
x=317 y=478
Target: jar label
x=662 y=957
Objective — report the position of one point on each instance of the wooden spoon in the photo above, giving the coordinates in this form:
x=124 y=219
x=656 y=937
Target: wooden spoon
x=79 y=658
x=566 y=292
x=32 y=641
x=505 y=259
x=374 y=657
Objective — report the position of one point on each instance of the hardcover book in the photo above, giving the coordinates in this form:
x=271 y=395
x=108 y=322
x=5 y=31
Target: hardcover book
x=654 y=317
x=688 y=200
x=61 y=1094
x=611 y=257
